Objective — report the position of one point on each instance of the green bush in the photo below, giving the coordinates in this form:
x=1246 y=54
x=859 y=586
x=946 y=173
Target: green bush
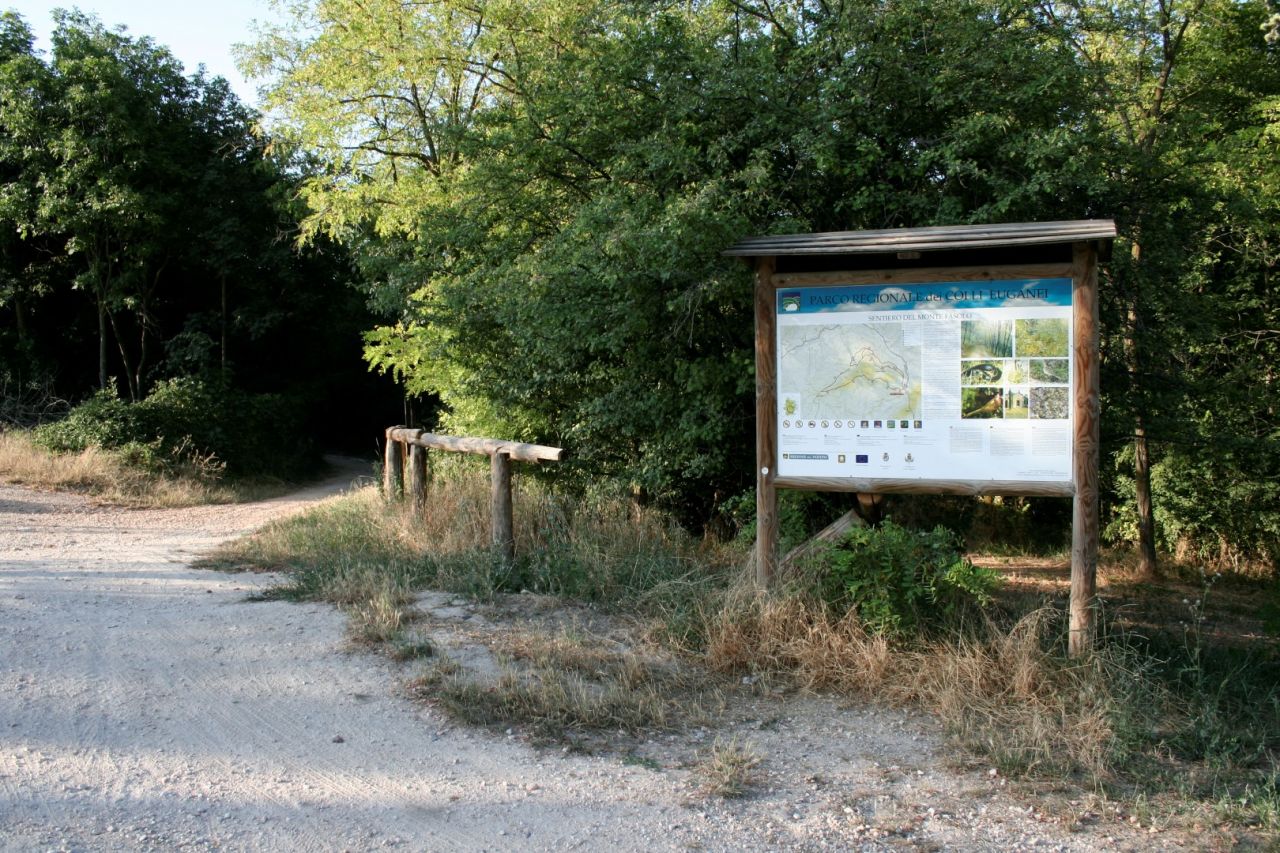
x=900 y=580
x=186 y=420
x=104 y=420
x=1214 y=531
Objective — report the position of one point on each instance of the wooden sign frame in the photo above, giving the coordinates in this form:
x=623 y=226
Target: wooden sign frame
x=970 y=253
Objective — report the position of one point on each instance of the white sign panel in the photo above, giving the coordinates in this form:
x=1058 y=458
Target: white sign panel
x=938 y=381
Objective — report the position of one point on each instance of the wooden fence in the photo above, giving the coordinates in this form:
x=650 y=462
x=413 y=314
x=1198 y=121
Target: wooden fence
x=410 y=446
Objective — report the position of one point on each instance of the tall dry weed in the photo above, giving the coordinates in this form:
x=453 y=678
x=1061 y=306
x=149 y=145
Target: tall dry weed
x=1000 y=691
x=796 y=637
x=105 y=474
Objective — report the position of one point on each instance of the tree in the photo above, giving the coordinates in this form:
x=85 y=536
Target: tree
x=141 y=213
x=543 y=192
x=26 y=260
x=1176 y=88
x=119 y=103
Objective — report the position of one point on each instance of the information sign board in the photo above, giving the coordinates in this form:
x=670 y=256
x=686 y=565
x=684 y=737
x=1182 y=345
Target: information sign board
x=930 y=381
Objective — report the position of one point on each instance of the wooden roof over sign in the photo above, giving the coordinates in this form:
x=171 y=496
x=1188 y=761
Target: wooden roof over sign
x=944 y=238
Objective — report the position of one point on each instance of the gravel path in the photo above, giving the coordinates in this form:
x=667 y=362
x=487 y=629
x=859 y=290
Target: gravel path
x=145 y=705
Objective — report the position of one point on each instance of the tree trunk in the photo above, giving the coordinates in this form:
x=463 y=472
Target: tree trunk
x=124 y=358
x=222 y=349
x=1148 y=569
x=142 y=358
x=871 y=509
x=20 y=317
x=102 y=343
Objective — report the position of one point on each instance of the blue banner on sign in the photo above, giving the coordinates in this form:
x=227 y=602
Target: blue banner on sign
x=1020 y=293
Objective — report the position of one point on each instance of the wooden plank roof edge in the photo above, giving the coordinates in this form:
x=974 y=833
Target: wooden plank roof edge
x=1055 y=225
x=914 y=235
x=959 y=230
x=930 y=238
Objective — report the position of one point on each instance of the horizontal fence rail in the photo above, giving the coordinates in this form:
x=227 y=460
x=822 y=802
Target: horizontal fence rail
x=486 y=446
x=417 y=442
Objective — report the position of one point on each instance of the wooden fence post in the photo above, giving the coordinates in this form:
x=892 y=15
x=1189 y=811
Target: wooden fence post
x=1086 y=396
x=767 y=535
x=418 y=476
x=500 y=453
x=500 y=502
x=393 y=467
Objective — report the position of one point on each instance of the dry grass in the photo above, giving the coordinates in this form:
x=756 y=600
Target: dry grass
x=777 y=635
x=381 y=614
x=998 y=691
x=370 y=557
x=110 y=477
x=1001 y=692
x=591 y=549
x=441 y=669
x=590 y=657
x=728 y=769
x=358 y=539
x=566 y=688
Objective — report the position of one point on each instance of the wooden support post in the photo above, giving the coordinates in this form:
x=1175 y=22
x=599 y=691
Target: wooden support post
x=393 y=467
x=1086 y=402
x=418 y=476
x=828 y=535
x=872 y=507
x=766 y=424
x=504 y=538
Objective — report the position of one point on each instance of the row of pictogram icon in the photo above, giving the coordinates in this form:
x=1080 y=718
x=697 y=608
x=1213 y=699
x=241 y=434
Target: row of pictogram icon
x=881 y=424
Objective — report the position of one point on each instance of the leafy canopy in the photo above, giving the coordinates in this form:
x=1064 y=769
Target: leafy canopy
x=541 y=192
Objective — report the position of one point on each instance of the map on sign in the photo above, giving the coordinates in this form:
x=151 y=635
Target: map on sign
x=849 y=371
x=937 y=381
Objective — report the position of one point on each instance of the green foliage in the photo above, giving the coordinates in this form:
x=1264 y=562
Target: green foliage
x=143 y=229
x=545 y=232
x=1183 y=107
x=104 y=420
x=800 y=515
x=540 y=194
x=186 y=419
x=900 y=581
x=1244 y=473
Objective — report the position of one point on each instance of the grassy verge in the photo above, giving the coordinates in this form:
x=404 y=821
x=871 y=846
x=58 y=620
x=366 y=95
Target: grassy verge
x=360 y=549
x=566 y=688
x=370 y=558
x=116 y=477
x=1181 y=726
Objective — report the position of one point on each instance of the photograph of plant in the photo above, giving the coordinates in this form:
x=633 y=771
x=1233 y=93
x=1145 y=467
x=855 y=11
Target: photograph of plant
x=1050 y=371
x=1018 y=371
x=1046 y=337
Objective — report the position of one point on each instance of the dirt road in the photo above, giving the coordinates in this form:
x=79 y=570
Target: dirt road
x=145 y=705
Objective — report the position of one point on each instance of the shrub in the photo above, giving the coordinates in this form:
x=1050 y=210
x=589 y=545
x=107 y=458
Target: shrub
x=104 y=421
x=900 y=580
x=185 y=420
